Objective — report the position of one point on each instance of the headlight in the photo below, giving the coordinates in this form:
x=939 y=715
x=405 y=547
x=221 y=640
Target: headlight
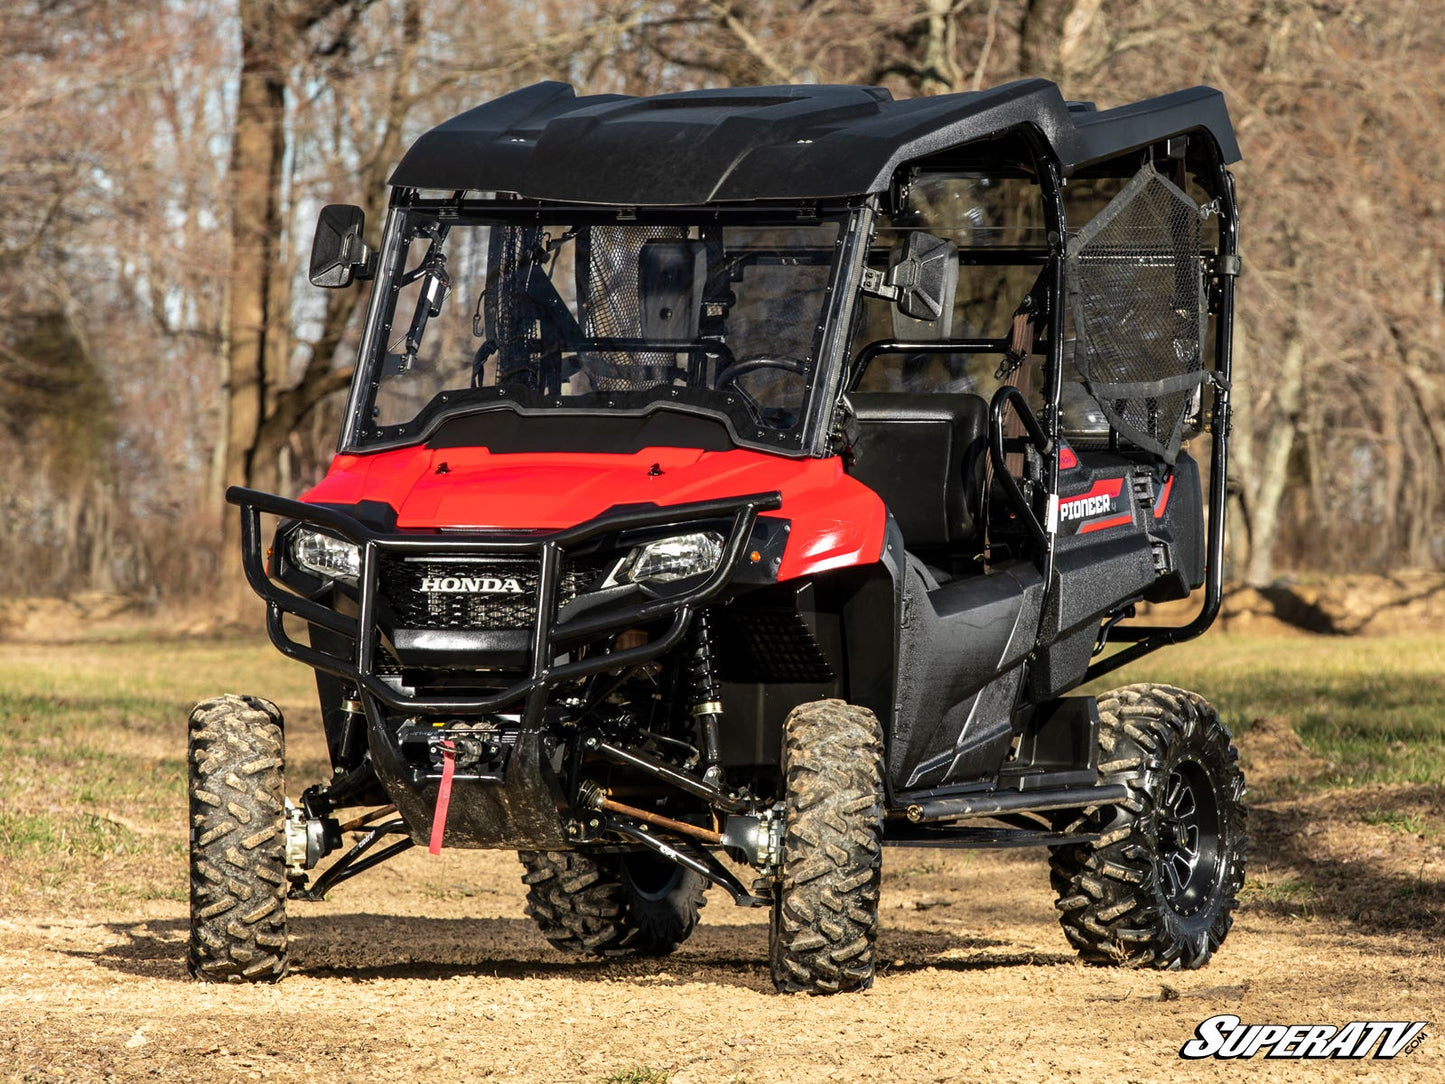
x=669 y=559
x=326 y=555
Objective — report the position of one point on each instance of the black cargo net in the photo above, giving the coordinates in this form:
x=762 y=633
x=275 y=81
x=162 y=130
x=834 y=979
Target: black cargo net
x=607 y=274
x=1136 y=292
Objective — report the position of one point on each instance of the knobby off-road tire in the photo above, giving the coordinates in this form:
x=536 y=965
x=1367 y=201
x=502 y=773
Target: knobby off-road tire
x=825 y=907
x=1157 y=890
x=611 y=905
x=238 y=865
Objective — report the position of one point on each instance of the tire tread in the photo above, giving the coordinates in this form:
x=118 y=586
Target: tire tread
x=587 y=908
x=237 y=869
x=1110 y=903
x=825 y=914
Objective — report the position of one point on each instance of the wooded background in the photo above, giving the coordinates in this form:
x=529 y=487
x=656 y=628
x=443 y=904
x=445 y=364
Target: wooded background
x=162 y=162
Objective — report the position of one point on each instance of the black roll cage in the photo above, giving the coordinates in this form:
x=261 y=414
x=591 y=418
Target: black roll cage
x=1043 y=433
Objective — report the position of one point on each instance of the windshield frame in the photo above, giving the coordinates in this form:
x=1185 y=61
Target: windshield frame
x=823 y=372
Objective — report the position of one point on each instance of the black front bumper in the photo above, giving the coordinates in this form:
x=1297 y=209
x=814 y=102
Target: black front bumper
x=540 y=672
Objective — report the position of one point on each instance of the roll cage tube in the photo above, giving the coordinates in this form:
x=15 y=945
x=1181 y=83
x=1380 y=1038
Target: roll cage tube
x=549 y=547
x=1148 y=638
x=352 y=419
x=1043 y=432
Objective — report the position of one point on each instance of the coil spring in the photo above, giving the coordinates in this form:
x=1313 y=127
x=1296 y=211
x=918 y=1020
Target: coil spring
x=701 y=675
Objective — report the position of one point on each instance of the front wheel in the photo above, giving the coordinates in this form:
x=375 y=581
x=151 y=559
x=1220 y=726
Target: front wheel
x=1158 y=887
x=238 y=859
x=611 y=905
x=825 y=907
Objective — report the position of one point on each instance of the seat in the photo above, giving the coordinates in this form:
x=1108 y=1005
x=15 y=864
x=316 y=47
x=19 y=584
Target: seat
x=924 y=456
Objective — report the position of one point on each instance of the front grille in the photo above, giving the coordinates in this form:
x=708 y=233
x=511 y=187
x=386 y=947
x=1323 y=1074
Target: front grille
x=468 y=593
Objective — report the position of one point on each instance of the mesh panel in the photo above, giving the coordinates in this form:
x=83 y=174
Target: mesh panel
x=1136 y=290
x=607 y=272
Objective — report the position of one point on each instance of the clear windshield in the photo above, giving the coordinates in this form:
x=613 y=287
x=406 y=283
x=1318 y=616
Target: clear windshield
x=708 y=314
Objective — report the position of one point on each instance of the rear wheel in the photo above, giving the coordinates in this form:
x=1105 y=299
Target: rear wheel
x=1158 y=888
x=612 y=905
x=238 y=871
x=825 y=908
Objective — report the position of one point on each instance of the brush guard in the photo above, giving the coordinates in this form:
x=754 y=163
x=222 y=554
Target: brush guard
x=541 y=673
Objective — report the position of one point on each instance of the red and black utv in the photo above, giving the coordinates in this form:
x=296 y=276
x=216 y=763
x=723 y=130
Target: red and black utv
x=735 y=483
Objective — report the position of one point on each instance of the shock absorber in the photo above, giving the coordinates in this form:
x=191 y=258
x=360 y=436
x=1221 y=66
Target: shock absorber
x=704 y=691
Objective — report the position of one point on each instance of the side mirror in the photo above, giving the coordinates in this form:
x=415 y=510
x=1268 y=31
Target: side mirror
x=338 y=254
x=926 y=277
x=921 y=283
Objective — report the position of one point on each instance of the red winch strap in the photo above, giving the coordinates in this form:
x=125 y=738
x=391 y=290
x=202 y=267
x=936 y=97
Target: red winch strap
x=444 y=797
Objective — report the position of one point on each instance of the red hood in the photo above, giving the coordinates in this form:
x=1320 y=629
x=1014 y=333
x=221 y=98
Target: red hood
x=837 y=521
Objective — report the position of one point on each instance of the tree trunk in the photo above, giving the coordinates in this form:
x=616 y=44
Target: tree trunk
x=1274 y=464
x=261 y=409
x=1041 y=32
x=941 y=74
x=258 y=150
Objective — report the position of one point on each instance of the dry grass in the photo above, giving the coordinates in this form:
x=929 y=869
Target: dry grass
x=1372 y=708
x=93 y=740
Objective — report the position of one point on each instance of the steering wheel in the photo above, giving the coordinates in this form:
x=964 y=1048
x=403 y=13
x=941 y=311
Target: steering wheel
x=740 y=369
x=768 y=417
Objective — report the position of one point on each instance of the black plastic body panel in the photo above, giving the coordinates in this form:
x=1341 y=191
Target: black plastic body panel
x=506 y=431
x=1058 y=746
x=1180 y=529
x=523 y=811
x=959 y=674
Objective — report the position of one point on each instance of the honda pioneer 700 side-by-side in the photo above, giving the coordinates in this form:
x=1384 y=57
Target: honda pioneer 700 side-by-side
x=735 y=483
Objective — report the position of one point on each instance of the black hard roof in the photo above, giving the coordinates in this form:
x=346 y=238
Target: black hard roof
x=765 y=143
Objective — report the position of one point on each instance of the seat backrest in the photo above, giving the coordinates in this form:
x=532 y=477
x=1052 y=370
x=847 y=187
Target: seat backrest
x=924 y=454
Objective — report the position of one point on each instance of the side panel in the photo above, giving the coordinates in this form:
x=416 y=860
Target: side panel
x=1128 y=530
x=961 y=651
x=1177 y=523
x=941 y=669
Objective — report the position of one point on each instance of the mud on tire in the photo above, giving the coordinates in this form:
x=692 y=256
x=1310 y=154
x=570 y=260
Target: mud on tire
x=825 y=908
x=611 y=905
x=238 y=872
x=1158 y=888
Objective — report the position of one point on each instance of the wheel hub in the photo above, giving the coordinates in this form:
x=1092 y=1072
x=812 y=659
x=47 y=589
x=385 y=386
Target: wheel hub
x=1188 y=835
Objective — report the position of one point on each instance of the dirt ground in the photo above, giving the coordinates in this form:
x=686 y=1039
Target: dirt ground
x=428 y=969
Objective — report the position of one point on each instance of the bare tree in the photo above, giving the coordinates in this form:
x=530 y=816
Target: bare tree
x=156 y=335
